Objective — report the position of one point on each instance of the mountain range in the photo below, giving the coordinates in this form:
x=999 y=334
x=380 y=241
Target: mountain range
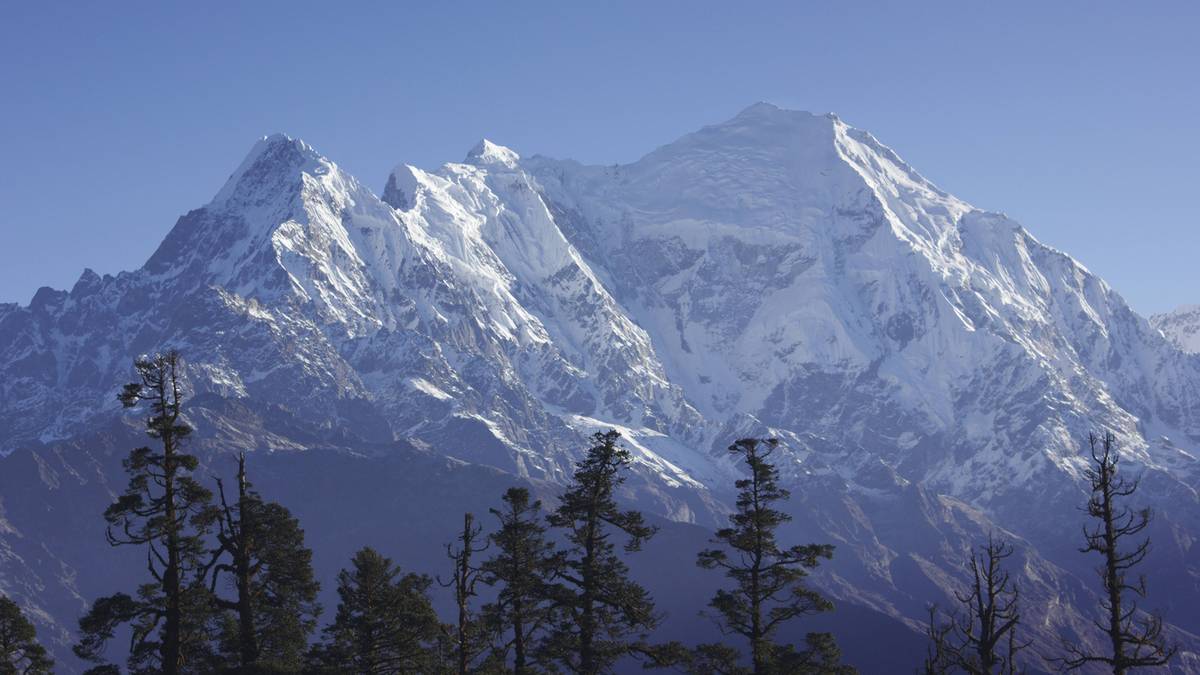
x=931 y=368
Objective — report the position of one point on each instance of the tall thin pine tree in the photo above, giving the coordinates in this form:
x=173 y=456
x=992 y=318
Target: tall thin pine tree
x=1135 y=641
x=769 y=588
x=168 y=512
x=469 y=636
x=603 y=614
x=525 y=568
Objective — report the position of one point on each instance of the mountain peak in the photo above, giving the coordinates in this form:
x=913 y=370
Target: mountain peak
x=88 y=282
x=273 y=160
x=279 y=138
x=487 y=153
x=267 y=189
x=767 y=127
x=401 y=187
x=760 y=108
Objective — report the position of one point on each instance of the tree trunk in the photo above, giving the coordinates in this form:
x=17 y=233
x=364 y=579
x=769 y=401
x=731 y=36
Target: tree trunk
x=170 y=651
x=518 y=639
x=245 y=575
x=1112 y=575
x=757 y=644
x=463 y=570
x=587 y=622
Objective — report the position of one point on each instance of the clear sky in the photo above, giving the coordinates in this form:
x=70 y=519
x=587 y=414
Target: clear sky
x=1079 y=119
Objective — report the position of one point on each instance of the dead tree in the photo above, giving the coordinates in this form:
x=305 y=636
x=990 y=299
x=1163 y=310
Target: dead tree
x=1136 y=639
x=980 y=639
x=469 y=639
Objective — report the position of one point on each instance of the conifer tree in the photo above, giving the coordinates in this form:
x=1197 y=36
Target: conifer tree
x=385 y=624
x=168 y=512
x=525 y=568
x=20 y=651
x=981 y=639
x=469 y=634
x=263 y=556
x=602 y=614
x=1135 y=641
x=769 y=588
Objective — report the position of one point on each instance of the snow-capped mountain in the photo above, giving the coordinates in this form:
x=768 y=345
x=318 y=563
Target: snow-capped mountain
x=297 y=285
x=1181 y=327
x=932 y=367
x=792 y=268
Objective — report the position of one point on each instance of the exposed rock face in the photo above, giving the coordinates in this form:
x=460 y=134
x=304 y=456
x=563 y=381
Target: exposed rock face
x=932 y=368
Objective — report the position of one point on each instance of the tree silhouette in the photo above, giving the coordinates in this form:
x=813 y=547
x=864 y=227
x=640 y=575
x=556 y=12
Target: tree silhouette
x=168 y=512
x=602 y=614
x=384 y=624
x=768 y=581
x=470 y=639
x=938 y=657
x=1135 y=641
x=262 y=553
x=525 y=567
x=981 y=638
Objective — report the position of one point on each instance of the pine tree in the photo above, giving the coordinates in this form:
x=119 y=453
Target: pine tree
x=603 y=615
x=274 y=610
x=769 y=588
x=982 y=638
x=821 y=656
x=525 y=568
x=384 y=624
x=714 y=658
x=469 y=634
x=168 y=512
x=20 y=652
x=1135 y=642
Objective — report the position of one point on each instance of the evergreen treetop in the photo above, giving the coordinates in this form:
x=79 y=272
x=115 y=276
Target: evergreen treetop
x=525 y=568
x=384 y=625
x=602 y=615
x=168 y=512
x=768 y=580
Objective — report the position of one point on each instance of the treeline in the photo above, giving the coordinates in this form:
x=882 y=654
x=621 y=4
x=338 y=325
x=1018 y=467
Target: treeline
x=230 y=588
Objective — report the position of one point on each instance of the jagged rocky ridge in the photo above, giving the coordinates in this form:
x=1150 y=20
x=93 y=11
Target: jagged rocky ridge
x=931 y=367
x=1181 y=327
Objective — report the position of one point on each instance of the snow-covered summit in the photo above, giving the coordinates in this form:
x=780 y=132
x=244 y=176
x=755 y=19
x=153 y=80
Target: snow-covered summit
x=488 y=153
x=272 y=159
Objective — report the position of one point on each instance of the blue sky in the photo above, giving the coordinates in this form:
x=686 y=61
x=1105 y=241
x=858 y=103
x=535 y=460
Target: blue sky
x=1077 y=118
